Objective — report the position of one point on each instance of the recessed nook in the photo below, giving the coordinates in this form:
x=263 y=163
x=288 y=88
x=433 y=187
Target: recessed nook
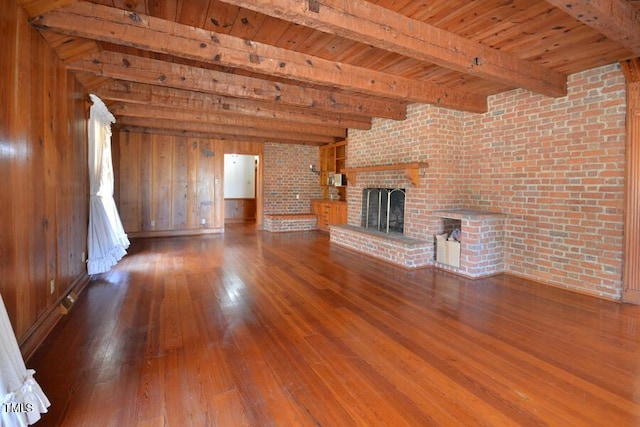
x=481 y=243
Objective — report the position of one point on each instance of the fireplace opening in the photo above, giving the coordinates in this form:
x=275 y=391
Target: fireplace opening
x=383 y=209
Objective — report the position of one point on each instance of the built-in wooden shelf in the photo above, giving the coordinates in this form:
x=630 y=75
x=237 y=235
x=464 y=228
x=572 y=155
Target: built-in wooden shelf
x=412 y=170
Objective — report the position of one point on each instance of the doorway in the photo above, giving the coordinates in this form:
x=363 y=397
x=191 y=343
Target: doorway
x=240 y=188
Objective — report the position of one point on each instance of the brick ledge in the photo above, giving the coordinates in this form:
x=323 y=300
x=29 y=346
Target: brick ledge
x=403 y=251
x=278 y=223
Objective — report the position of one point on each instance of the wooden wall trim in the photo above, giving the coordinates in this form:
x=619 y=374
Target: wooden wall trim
x=174 y=233
x=631 y=274
x=32 y=339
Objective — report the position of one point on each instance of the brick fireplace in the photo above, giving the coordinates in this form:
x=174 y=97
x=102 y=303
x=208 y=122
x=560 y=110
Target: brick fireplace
x=482 y=233
x=434 y=187
x=554 y=166
x=383 y=210
x=410 y=248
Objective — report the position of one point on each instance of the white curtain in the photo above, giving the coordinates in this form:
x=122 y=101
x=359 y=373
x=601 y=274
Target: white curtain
x=22 y=398
x=107 y=242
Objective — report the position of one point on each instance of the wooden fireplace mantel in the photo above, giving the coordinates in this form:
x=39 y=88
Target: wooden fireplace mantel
x=412 y=170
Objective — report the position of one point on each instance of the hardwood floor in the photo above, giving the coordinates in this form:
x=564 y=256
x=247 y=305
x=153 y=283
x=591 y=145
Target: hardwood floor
x=266 y=329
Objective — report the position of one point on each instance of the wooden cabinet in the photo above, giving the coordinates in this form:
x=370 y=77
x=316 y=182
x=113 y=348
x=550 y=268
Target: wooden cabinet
x=333 y=159
x=329 y=212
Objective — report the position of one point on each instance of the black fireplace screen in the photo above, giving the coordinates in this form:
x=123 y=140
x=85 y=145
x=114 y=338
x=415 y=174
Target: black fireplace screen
x=383 y=209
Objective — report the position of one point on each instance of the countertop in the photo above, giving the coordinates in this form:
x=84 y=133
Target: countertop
x=468 y=214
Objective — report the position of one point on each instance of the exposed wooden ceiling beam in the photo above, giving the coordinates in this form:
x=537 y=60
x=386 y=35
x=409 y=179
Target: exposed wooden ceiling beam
x=37 y=7
x=70 y=48
x=368 y=23
x=238 y=121
x=224 y=132
x=191 y=134
x=618 y=20
x=130 y=29
x=161 y=73
x=198 y=101
x=91 y=81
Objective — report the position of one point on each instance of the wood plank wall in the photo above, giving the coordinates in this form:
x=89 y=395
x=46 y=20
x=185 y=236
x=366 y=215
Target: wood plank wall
x=170 y=185
x=239 y=210
x=44 y=191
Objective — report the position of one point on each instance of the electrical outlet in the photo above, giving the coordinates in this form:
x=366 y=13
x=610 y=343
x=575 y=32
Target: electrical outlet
x=84 y=257
x=297 y=196
x=67 y=302
x=52 y=286
x=203 y=221
x=153 y=222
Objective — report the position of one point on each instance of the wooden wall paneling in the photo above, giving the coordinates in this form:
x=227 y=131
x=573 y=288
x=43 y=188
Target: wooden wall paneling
x=129 y=177
x=180 y=184
x=218 y=181
x=632 y=247
x=239 y=210
x=115 y=161
x=77 y=131
x=43 y=171
x=64 y=249
x=631 y=278
x=192 y=183
x=207 y=184
x=146 y=193
x=242 y=147
x=34 y=232
x=177 y=184
x=50 y=289
x=9 y=153
x=162 y=199
x=21 y=171
x=260 y=190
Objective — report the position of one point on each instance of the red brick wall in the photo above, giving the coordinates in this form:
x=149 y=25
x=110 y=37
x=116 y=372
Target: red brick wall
x=429 y=134
x=555 y=166
x=286 y=174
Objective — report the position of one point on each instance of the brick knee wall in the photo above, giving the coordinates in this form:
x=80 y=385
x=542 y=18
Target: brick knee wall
x=278 y=223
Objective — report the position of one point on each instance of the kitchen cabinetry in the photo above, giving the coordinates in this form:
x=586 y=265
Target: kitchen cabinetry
x=333 y=158
x=329 y=212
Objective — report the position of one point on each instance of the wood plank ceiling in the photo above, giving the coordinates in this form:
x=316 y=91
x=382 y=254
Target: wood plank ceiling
x=306 y=71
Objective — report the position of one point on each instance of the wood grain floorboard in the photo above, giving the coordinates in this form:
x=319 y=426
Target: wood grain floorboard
x=252 y=328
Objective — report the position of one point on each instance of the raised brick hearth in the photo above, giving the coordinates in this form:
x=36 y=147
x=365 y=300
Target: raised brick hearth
x=481 y=247
x=403 y=251
x=279 y=223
